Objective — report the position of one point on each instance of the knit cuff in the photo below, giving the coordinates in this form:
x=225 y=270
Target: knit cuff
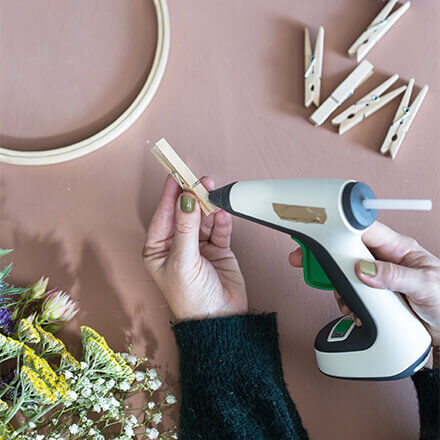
x=426 y=382
x=228 y=347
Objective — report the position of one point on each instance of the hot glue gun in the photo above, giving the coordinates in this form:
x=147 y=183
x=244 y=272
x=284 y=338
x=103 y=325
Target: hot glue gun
x=327 y=218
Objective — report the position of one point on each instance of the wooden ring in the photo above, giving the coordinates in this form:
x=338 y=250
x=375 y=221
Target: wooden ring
x=121 y=124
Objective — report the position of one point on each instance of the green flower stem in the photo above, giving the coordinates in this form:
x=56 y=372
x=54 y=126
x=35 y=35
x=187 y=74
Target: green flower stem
x=17 y=406
x=35 y=418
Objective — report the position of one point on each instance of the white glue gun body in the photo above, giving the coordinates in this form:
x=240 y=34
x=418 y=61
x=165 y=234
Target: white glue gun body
x=327 y=217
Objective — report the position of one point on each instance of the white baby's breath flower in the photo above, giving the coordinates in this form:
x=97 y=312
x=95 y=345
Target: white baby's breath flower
x=74 y=429
x=157 y=418
x=133 y=420
x=113 y=402
x=170 y=399
x=39 y=437
x=151 y=405
x=139 y=376
x=68 y=375
x=132 y=359
x=96 y=408
x=175 y=435
x=86 y=392
x=152 y=433
x=154 y=384
x=83 y=365
x=124 y=386
x=72 y=395
x=152 y=373
x=129 y=431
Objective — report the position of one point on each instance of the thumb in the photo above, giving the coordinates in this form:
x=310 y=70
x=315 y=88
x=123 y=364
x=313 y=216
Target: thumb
x=187 y=226
x=384 y=275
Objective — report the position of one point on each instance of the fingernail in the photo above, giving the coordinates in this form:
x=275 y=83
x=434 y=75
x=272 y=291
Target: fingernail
x=187 y=203
x=367 y=268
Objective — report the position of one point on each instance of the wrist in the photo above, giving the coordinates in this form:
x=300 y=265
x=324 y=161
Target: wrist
x=197 y=313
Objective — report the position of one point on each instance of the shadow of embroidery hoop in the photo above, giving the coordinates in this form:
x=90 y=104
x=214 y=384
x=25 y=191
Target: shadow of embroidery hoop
x=122 y=123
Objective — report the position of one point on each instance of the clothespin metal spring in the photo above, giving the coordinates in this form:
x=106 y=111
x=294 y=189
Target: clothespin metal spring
x=405 y=114
x=312 y=63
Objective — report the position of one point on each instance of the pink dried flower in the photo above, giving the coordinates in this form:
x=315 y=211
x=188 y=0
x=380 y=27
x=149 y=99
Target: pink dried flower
x=58 y=307
x=38 y=290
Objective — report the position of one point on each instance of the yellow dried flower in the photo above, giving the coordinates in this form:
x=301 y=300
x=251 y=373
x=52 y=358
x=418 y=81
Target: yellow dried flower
x=103 y=358
x=10 y=348
x=68 y=362
x=27 y=332
x=41 y=367
x=127 y=370
x=49 y=343
x=87 y=333
x=35 y=386
x=57 y=385
x=96 y=346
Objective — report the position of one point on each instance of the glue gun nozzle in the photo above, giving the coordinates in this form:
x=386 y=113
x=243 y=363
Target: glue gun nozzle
x=220 y=197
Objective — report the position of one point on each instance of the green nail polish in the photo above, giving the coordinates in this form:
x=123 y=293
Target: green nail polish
x=187 y=203
x=367 y=268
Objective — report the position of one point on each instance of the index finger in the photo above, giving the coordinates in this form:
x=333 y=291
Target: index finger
x=388 y=245
x=162 y=223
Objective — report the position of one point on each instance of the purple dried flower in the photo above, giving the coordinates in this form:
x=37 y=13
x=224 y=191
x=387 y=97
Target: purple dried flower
x=6 y=322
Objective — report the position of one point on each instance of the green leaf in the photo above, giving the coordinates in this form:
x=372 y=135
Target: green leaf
x=4 y=252
x=5 y=272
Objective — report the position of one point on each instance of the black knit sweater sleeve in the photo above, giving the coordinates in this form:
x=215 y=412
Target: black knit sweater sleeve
x=428 y=392
x=232 y=381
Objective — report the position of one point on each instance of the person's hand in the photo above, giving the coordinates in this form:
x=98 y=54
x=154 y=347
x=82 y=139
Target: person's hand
x=403 y=266
x=190 y=259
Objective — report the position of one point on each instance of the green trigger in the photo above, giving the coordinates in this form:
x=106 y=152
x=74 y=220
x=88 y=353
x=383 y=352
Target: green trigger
x=314 y=275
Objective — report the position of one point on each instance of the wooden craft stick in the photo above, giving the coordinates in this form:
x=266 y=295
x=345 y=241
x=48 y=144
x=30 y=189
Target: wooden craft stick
x=175 y=166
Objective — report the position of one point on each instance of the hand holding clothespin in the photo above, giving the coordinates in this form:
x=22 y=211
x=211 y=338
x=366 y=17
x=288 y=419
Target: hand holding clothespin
x=377 y=29
x=367 y=105
x=402 y=120
x=313 y=67
x=171 y=161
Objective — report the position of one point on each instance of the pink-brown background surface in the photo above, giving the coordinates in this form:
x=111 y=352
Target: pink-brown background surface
x=231 y=103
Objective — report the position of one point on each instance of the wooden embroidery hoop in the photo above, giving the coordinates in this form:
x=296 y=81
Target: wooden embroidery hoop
x=122 y=123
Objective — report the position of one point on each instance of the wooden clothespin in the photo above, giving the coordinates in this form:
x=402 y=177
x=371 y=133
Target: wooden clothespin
x=313 y=67
x=377 y=29
x=170 y=160
x=342 y=92
x=402 y=120
x=367 y=105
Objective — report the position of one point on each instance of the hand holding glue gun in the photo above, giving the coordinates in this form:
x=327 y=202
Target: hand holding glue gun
x=404 y=266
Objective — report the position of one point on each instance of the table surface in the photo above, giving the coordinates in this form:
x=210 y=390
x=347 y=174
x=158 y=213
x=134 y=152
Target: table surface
x=231 y=103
